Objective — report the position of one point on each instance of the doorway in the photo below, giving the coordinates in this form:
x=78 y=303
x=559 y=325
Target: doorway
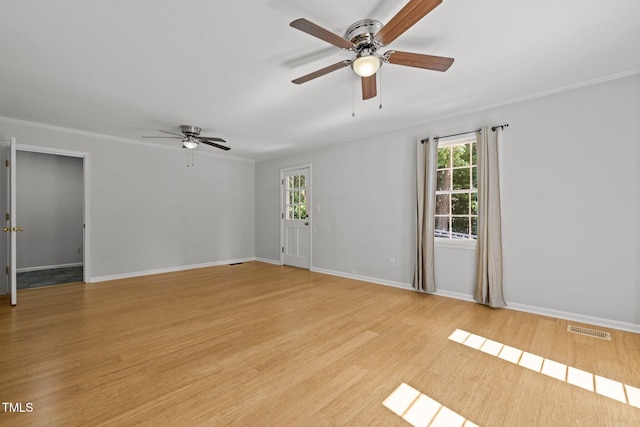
x=68 y=257
x=295 y=216
x=49 y=202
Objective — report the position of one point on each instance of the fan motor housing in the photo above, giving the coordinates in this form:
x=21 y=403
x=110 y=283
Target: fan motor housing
x=189 y=130
x=362 y=34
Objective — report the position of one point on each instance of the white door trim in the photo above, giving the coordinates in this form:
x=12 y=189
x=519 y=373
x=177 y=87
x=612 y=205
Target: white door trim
x=283 y=172
x=86 y=165
x=13 y=224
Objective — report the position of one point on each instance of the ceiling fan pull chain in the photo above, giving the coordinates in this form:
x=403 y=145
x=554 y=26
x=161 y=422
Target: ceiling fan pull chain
x=190 y=158
x=380 y=84
x=353 y=96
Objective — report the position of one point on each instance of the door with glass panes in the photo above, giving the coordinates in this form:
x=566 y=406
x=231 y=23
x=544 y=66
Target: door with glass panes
x=296 y=243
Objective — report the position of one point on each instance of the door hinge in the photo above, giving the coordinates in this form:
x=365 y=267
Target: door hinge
x=6 y=270
x=7 y=163
x=282 y=216
x=282 y=252
x=7 y=217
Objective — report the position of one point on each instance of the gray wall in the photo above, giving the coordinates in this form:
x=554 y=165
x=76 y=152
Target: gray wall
x=50 y=208
x=570 y=204
x=148 y=210
x=364 y=190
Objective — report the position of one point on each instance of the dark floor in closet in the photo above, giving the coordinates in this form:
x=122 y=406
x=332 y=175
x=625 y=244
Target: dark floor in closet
x=56 y=276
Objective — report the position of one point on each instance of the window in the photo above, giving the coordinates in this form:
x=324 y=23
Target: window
x=296 y=197
x=457 y=190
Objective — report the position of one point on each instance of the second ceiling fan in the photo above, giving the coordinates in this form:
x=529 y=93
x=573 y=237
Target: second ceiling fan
x=366 y=36
x=191 y=138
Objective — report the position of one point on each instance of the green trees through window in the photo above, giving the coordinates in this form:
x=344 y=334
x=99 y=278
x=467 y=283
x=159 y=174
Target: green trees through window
x=457 y=191
x=296 y=197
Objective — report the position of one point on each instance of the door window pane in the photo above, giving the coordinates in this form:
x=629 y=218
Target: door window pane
x=296 y=197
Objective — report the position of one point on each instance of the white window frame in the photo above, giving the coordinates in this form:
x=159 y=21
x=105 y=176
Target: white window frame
x=468 y=244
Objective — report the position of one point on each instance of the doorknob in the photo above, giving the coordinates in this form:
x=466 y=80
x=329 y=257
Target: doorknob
x=5 y=229
x=306 y=223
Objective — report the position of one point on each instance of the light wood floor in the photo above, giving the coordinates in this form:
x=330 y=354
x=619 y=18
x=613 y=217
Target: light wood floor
x=257 y=344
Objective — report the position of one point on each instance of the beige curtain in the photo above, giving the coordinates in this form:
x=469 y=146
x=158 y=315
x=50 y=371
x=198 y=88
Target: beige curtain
x=426 y=166
x=488 y=288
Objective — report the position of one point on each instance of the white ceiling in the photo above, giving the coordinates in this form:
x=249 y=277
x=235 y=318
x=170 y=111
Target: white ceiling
x=127 y=68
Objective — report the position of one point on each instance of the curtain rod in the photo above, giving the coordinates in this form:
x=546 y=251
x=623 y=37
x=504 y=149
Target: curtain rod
x=493 y=128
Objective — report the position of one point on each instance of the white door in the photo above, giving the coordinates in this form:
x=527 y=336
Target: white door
x=296 y=244
x=11 y=228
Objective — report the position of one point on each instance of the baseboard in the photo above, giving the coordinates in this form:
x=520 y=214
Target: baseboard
x=607 y=323
x=454 y=295
x=558 y=314
x=167 y=270
x=591 y=320
x=269 y=261
x=48 y=267
x=363 y=278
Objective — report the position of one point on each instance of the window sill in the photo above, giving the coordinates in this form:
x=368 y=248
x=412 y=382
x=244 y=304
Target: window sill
x=469 y=245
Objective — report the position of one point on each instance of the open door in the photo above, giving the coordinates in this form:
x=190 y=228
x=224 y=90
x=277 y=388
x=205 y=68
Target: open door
x=10 y=218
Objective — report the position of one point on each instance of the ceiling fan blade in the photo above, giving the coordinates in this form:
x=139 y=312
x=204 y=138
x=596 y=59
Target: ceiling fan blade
x=211 y=138
x=322 y=72
x=411 y=13
x=213 y=144
x=429 y=62
x=321 y=33
x=172 y=137
x=369 y=89
x=171 y=133
x=311 y=56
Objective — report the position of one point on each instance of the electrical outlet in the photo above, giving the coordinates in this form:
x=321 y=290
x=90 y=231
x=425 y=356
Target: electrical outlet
x=79 y=251
x=392 y=262
x=189 y=252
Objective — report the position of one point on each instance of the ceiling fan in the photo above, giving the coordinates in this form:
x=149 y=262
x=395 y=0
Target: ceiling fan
x=366 y=36
x=191 y=138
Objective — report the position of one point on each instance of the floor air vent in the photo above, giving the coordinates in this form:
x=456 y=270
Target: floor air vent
x=589 y=332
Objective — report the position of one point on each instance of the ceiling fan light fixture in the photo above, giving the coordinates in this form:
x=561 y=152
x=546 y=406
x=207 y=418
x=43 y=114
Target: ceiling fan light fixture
x=366 y=65
x=189 y=143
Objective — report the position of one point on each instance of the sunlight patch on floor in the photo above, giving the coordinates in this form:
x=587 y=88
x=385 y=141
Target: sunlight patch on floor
x=634 y=395
x=603 y=386
x=420 y=410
